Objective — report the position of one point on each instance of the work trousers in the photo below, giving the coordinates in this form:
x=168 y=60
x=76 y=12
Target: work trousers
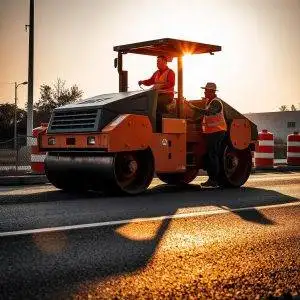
x=162 y=101
x=214 y=149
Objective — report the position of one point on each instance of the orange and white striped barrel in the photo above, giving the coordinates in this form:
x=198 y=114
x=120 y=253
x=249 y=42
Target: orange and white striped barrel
x=37 y=157
x=293 y=149
x=264 y=151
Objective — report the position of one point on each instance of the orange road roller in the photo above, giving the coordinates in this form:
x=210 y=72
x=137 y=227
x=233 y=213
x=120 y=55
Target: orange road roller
x=112 y=142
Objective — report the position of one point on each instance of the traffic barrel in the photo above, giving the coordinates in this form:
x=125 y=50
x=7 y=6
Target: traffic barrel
x=264 y=150
x=37 y=157
x=293 y=149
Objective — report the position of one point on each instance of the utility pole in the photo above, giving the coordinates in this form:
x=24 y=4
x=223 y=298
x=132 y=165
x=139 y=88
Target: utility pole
x=30 y=74
x=15 y=120
x=15 y=117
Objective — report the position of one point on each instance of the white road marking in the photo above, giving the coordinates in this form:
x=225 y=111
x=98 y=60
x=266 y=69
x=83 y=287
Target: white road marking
x=137 y=220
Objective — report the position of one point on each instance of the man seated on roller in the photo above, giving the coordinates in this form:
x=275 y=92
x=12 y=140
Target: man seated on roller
x=163 y=81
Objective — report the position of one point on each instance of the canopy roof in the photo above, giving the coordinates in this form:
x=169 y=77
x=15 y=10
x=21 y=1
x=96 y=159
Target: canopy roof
x=167 y=47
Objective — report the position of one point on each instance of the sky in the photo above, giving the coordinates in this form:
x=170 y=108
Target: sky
x=258 y=69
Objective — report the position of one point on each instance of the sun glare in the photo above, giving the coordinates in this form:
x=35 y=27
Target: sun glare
x=139 y=231
x=191 y=76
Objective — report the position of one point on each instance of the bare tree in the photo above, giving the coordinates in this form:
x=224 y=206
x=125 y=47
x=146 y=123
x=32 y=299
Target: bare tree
x=283 y=108
x=59 y=88
x=55 y=96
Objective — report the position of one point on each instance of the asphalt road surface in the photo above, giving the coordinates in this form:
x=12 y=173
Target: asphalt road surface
x=169 y=243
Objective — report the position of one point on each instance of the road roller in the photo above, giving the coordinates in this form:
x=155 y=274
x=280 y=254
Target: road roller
x=113 y=143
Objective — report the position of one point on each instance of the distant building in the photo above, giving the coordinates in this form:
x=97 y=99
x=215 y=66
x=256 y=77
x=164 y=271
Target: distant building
x=281 y=123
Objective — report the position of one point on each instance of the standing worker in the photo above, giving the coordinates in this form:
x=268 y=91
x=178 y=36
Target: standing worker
x=163 y=81
x=214 y=128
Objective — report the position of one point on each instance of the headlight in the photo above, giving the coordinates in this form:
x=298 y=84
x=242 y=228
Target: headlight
x=91 y=140
x=51 y=141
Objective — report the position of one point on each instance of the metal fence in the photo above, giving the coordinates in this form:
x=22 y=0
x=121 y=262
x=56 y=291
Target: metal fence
x=15 y=155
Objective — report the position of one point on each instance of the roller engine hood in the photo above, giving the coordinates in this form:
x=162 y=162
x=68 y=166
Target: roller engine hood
x=93 y=114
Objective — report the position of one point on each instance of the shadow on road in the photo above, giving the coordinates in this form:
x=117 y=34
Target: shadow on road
x=53 y=265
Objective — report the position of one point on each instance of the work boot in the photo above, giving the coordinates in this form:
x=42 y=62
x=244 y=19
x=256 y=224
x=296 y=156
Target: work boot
x=210 y=183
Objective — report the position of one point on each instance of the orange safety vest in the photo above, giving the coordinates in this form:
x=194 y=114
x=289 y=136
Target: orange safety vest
x=214 y=123
x=162 y=79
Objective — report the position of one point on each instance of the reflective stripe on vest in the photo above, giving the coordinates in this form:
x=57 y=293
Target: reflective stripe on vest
x=214 y=123
x=160 y=80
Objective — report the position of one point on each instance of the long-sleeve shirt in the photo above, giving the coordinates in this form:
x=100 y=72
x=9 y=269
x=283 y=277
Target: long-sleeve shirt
x=170 y=79
x=214 y=108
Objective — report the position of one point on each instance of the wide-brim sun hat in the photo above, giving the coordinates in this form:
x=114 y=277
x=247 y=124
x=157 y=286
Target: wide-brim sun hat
x=210 y=86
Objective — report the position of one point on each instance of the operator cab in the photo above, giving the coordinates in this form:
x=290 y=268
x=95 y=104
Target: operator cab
x=171 y=48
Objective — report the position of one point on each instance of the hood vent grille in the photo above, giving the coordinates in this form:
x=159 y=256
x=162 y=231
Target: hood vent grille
x=72 y=121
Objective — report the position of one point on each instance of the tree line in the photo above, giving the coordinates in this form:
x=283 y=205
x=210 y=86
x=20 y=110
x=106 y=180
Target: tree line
x=286 y=108
x=50 y=97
